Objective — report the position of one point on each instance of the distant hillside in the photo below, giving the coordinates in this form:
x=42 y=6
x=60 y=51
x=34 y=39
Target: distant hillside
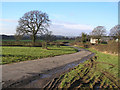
x=27 y=37
x=7 y=37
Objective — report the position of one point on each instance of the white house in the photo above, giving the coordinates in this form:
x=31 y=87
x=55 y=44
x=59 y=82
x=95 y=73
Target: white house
x=103 y=39
x=93 y=41
x=116 y=40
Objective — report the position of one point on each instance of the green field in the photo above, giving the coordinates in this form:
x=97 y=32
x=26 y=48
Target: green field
x=40 y=40
x=29 y=42
x=101 y=72
x=17 y=54
x=22 y=40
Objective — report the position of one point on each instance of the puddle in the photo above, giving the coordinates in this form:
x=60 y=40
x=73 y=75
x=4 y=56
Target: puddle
x=60 y=70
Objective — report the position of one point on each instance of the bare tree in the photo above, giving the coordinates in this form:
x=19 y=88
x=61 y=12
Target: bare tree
x=33 y=23
x=49 y=36
x=98 y=32
x=115 y=32
x=18 y=36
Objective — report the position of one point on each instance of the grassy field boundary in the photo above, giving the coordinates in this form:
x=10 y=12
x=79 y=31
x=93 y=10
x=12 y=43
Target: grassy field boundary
x=90 y=74
x=17 y=54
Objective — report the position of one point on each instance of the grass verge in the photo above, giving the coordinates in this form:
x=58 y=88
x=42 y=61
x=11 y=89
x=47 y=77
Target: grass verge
x=98 y=72
x=17 y=54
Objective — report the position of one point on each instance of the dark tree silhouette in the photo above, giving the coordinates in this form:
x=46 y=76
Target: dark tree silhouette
x=115 y=32
x=33 y=23
x=18 y=36
x=84 y=37
x=49 y=37
x=98 y=32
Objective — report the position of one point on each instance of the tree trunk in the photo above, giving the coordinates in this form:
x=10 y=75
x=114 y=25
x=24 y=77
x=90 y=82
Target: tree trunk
x=33 y=39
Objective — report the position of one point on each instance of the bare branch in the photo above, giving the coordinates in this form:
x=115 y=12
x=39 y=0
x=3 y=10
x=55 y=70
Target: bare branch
x=33 y=22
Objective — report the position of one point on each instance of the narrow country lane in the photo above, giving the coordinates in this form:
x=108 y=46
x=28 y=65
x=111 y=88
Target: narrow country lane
x=18 y=74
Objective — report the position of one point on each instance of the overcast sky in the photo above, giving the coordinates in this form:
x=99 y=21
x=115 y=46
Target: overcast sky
x=68 y=18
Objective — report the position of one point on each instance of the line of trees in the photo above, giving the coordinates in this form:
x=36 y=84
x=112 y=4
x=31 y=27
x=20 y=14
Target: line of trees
x=99 y=32
x=35 y=23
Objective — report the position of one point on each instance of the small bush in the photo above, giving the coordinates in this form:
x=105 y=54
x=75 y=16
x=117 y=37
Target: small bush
x=57 y=44
x=44 y=45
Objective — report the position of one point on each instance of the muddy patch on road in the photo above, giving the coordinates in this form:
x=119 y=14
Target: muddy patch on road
x=40 y=80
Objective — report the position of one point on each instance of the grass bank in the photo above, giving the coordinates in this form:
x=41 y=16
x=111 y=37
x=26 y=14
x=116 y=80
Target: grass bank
x=99 y=72
x=17 y=54
x=107 y=58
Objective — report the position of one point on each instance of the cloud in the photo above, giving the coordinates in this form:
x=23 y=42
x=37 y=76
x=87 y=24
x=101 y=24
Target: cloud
x=8 y=26
x=57 y=27
x=75 y=26
x=69 y=29
x=8 y=20
x=7 y=29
